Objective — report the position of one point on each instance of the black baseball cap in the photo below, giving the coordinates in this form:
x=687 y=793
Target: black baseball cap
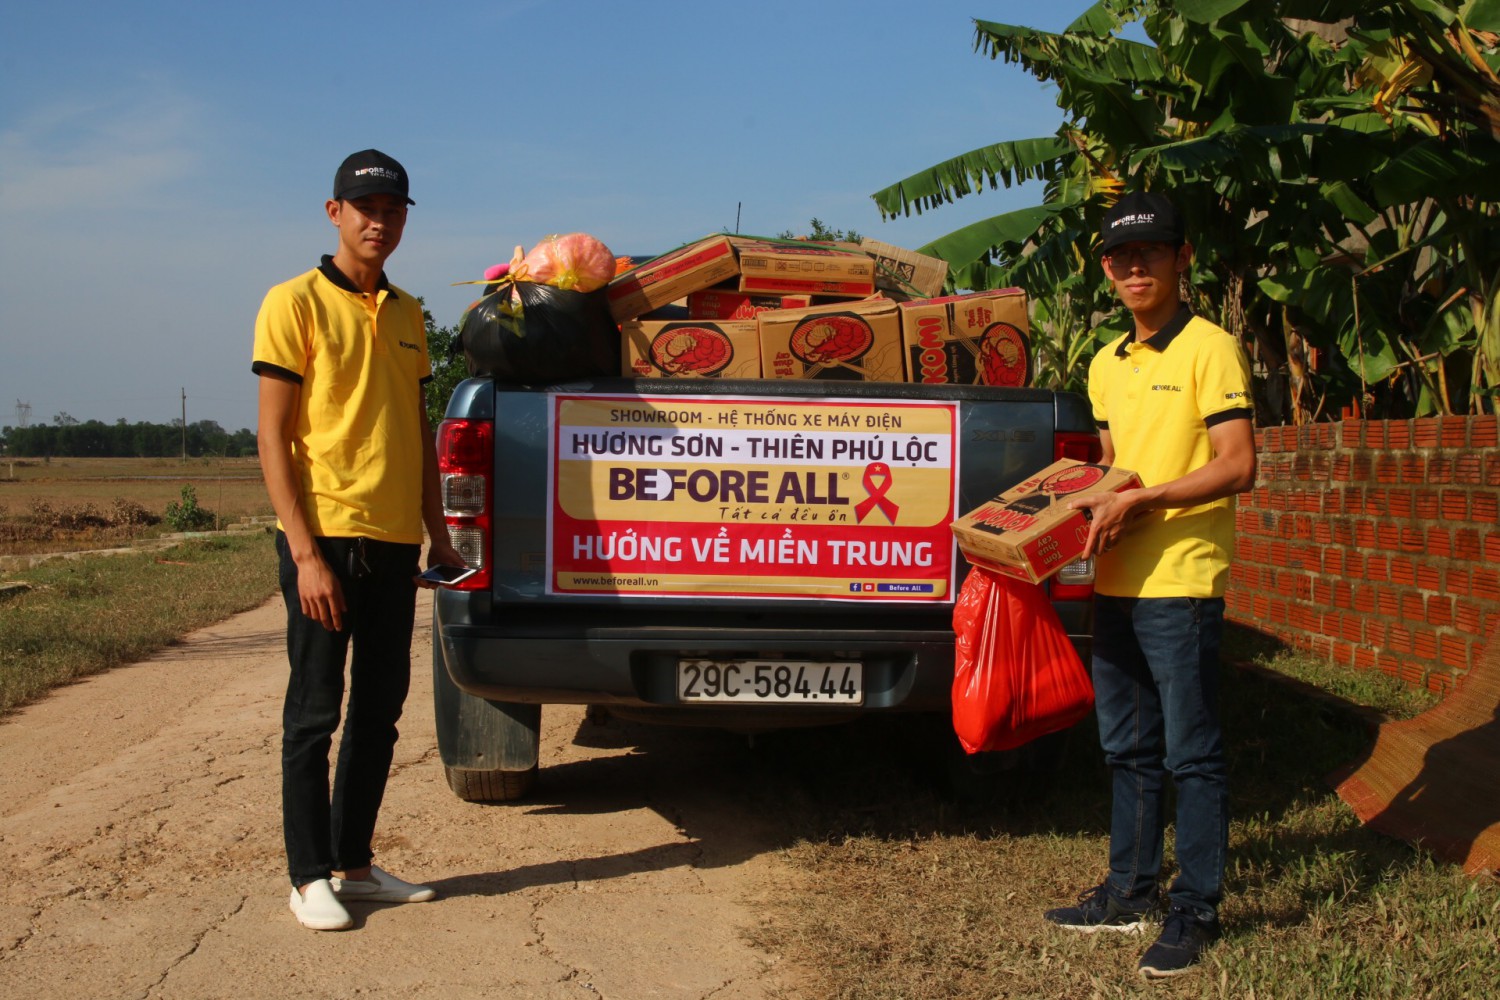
x=369 y=172
x=1140 y=217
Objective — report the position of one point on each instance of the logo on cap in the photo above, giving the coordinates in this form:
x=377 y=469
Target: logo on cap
x=1140 y=218
x=369 y=172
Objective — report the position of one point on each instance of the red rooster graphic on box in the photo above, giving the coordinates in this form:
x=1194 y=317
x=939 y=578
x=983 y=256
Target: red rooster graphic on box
x=831 y=339
x=691 y=350
x=1004 y=356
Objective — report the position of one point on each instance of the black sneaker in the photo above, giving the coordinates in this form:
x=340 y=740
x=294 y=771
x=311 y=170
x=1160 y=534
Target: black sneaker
x=1185 y=935
x=1100 y=910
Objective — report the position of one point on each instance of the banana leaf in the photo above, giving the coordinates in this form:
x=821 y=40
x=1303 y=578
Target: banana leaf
x=1204 y=11
x=974 y=241
x=1434 y=167
x=1100 y=21
x=1002 y=163
x=1484 y=15
x=1046 y=55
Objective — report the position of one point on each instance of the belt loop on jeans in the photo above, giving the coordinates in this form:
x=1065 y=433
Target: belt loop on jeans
x=359 y=562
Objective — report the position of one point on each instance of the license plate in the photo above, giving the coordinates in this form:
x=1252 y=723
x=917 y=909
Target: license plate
x=771 y=682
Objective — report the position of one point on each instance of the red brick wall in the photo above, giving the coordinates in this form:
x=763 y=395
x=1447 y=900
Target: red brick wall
x=1375 y=544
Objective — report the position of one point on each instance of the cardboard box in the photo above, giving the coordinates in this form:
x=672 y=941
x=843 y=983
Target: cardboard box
x=903 y=274
x=1028 y=532
x=730 y=303
x=690 y=349
x=672 y=276
x=803 y=268
x=850 y=341
x=982 y=338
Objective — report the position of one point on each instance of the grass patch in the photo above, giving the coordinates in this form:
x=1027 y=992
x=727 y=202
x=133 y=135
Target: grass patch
x=83 y=616
x=909 y=887
x=1386 y=695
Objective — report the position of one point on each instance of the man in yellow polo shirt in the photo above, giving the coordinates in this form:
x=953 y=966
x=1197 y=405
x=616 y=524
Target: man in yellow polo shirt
x=350 y=467
x=1172 y=401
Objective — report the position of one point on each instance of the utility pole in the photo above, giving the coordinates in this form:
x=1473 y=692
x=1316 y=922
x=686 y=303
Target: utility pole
x=184 y=423
x=23 y=413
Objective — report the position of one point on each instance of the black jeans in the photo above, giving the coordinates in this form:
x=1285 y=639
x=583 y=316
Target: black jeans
x=332 y=833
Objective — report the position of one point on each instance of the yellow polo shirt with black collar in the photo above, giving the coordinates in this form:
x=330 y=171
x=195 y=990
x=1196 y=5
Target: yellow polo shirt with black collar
x=360 y=360
x=1158 y=399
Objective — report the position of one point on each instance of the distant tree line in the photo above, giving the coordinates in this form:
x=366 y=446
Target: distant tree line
x=66 y=437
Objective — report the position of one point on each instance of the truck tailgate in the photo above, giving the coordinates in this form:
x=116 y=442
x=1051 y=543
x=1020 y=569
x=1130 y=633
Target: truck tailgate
x=998 y=437
x=639 y=531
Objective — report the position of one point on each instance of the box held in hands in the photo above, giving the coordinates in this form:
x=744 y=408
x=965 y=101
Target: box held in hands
x=1029 y=532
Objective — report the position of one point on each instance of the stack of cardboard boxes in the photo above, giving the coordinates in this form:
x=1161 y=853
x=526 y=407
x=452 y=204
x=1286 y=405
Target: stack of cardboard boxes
x=747 y=307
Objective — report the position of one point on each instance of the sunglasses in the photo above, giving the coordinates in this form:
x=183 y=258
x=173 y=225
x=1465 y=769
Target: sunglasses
x=1147 y=255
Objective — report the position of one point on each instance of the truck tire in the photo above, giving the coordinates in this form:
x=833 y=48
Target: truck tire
x=490 y=786
x=490 y=749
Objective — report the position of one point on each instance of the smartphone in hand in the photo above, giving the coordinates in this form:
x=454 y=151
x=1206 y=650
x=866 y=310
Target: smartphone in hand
x=447 y=576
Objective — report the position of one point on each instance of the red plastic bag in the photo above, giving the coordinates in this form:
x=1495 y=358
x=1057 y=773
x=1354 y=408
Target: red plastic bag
x=1016 y=676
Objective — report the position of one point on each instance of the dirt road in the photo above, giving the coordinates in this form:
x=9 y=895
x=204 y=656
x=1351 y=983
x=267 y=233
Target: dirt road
x=140 y=852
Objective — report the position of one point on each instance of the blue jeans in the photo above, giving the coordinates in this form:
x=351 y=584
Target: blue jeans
x=326 y=833
x=1156 y=690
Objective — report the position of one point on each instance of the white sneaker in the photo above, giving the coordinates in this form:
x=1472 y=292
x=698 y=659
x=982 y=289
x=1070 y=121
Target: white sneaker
x=382 y=887
x=319 y=909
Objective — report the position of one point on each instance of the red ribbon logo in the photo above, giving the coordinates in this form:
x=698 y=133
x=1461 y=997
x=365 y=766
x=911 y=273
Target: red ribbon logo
x=877 y=483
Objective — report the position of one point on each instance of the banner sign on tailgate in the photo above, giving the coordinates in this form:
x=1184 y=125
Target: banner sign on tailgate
x=835 y=499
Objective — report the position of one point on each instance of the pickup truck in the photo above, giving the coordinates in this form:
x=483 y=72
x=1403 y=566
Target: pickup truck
x=749 y=554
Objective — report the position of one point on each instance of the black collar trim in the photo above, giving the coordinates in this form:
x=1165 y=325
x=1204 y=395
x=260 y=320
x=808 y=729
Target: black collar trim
x=339 y=278
x=1163 y=338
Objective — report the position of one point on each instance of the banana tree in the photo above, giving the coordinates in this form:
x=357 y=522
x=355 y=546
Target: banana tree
x=1339 y=194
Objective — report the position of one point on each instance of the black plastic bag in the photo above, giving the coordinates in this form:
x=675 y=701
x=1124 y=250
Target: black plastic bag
x=557 y=334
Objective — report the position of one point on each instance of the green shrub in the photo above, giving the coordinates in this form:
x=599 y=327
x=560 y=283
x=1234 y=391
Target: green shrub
x=186 y=515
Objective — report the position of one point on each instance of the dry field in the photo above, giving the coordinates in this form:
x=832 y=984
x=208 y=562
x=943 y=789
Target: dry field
x=82 y=503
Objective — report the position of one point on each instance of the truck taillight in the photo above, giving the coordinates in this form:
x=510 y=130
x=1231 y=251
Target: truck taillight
x=1075 y=581
x=1083 y=447
x=466 y=476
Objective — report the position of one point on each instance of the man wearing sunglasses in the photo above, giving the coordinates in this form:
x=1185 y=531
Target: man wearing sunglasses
x=1172 y=401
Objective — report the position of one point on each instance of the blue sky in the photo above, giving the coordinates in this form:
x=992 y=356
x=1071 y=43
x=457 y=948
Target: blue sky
x=162 y=164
